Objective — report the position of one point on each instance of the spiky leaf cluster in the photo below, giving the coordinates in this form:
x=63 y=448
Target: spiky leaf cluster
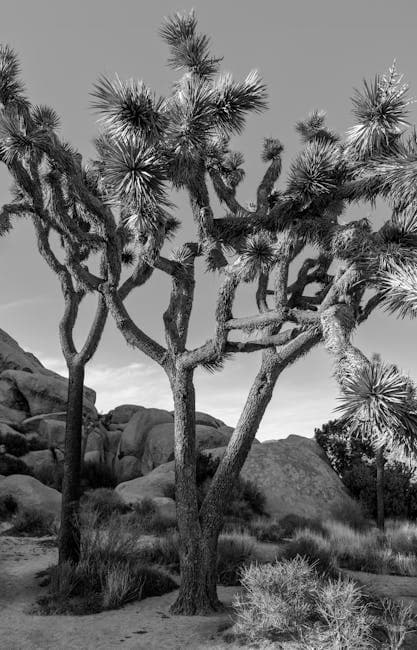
x=134 y=174
x=313 y=127
x=258 y=255
x=129 y=108
x=315 y=172
x=234 y=99
x=11 y=88
x=381 y=110
x=45 y=117
x=379 y=403
x=272 y=149
x=399 y=283
x=189 y=50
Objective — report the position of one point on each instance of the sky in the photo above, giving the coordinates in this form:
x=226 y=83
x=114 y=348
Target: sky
x=311 y=55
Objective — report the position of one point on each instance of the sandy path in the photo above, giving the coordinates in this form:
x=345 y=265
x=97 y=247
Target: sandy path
x=146 y=625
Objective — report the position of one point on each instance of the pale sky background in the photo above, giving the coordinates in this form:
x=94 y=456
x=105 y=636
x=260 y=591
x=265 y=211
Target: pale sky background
x=311 y=55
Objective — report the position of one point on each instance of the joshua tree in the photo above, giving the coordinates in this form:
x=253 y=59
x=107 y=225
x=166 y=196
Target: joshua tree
x=148 y=145
x=379 y=405
x=42 y=193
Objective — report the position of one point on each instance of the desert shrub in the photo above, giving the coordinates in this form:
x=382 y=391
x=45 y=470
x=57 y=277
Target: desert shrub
x=234 y=551
x=292 y=522
x=266 y=530
x=8 y=506
x=356 y=550
x=11 y=465
x=97 y=475
x=289 y=601
x=50 y=474
x=112 y=571
x=352 y=514
x=161 y=551
x=34 y=523
x=316 y=549
x=397 y=620
x=148 y=520
x=277 y=599
x=105 y=502
x=401 y=536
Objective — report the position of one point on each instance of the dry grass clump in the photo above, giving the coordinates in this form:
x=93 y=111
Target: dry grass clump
x=316 y=549
x=31 y=522
x=116 y=566
x=234 y=551
x=366 y=550
x=289 y=602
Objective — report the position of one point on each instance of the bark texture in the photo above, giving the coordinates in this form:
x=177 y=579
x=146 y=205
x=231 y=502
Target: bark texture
x=197 y=593
x=380 y=462
x=69 y=536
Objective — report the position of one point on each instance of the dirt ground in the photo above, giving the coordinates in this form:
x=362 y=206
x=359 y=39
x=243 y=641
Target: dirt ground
x=145 y=625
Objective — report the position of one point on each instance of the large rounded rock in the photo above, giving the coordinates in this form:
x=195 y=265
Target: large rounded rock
x=31 y=493
x=295 y=476
x=14 y=417
x=123 y=413
x=159 y=446
x=133 y=439
x=43 y=459
x=159 y=483
x=45 y=392
x=52 y=433
x=127 y=468
x=12 y=357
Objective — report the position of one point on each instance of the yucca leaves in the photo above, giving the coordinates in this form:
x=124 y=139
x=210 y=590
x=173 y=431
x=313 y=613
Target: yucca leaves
x=381 y=109
x=272 y=149
x=134 y=173
x=314 y=127
x=313 y=174
x=379 y=403
x=11 y=88
x=258 y=255
x=399 y=283
x=189 y=50
x=233 y=100
x=45 y=117
x=128 y=108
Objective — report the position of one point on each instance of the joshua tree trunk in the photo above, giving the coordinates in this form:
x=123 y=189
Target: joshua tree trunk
x=380 y=462
x=69 y=537
x=197 y=594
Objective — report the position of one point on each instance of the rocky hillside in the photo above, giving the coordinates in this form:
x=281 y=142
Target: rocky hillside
x=136 y=444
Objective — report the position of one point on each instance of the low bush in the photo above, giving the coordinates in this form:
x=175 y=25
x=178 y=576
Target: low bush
x=34 y=523
x=104 y=502
x=292 y=522
x=401 y=536
x=8 y=506
x=314 y=548
x=97 y=475
x=113 y=569
x=161 y=551
x=289 y=601
x=234 y=551
x=72 y=592
x=266 y=530
x=148 y=520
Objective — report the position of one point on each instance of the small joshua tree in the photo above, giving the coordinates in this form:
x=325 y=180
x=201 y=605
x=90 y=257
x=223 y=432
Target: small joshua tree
x=42 y=193
x=379 y=405
x=148 y=145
